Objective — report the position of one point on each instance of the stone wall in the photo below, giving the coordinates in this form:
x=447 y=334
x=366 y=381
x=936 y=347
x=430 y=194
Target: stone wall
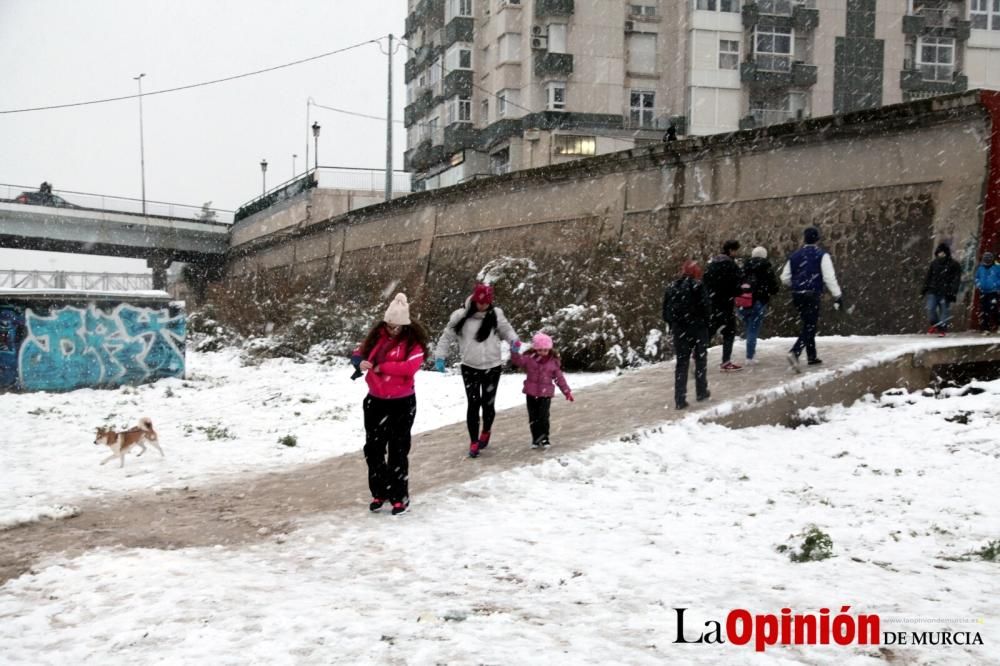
x=884 y=186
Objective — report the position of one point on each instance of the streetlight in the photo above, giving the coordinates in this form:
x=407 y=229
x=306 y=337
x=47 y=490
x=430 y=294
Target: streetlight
x=293 y=165
x=316 y=144
x=142 y=146
x=263 y=177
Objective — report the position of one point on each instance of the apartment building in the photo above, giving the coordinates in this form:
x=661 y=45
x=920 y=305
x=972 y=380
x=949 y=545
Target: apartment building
x=498 y=85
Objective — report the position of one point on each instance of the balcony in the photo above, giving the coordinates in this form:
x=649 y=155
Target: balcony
x=939 y=22
x=458 y=82
x=805 y=18
x=803 y=74
x=765 y=117
x=459 y=29
x=423 y=156
x=553 y=64
x=544 y=8
x=459 y=136
x=934 y=79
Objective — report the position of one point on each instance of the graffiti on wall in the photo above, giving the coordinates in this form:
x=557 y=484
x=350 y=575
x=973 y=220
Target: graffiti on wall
x=11 y=323
x=71 y=347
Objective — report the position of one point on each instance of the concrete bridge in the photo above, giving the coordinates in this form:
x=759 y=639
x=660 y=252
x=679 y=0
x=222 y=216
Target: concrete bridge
x=158 y=239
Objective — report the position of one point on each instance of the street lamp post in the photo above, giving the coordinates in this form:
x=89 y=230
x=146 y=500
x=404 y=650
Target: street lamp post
x=294 y=155
x=316 y=144
x=142 y=146
x=263 y=177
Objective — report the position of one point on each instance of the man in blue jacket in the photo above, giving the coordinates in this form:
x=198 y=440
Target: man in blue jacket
x=988 y=284
x=805 y=273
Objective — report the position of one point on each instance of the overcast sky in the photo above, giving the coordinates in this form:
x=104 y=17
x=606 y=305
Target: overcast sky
x=204 y=144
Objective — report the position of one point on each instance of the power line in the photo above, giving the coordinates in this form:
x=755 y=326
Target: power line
x=194 y=85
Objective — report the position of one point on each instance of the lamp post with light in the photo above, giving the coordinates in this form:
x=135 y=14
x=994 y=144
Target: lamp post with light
x=294 y=155
x=316 y=144
x=263 y=177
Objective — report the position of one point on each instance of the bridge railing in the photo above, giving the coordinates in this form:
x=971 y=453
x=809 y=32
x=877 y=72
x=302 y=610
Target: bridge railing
x=127 y=205
x=22 y=279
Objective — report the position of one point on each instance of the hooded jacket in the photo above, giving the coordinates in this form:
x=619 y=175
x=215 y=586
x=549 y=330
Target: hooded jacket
x=480 y=355
x=944 y=275
x=542 y=373
x=396 y=365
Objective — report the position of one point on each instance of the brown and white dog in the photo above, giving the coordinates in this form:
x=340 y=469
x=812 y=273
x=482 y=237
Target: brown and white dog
x=120 y=442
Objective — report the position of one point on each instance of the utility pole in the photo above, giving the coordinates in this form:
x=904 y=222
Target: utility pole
x=142 y=144
x=388 y=132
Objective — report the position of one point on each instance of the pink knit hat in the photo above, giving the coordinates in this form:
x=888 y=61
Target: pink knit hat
x=541 y=341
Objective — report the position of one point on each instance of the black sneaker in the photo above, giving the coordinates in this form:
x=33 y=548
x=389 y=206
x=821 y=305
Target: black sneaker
x=376 y=504
x=815 y=361
x=682 y=405
x=399 y=507
x=702 y=398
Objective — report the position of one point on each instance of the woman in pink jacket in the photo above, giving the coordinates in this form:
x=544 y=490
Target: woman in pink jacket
x=542 y=366
x=390 y=356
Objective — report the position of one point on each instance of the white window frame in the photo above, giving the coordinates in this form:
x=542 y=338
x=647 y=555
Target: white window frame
x=552 y=93
x=775 y=7
x=774 y=60
x=643 y=11
x=458 y=8
x=453 y=58
x=501 y=104
x=484 y=111
x=508 y=100
x=460 y=109
x=986 y=13
x=936 y=70
x=721 y=6
x=725 y=49
x=498 y=167
x=641 y=114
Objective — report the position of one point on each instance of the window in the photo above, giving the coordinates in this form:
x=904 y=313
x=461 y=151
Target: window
x=773 y=49
x=729 y=54
x=936 y=58
x=459 y=110
x=411 y=91
x=641 y=108
x=771 y=107
x=775 y=7
x=557 y=38
x=563 y=144
x=506 y=99
x=555 y=95
x=643 y=11
x=509 y=47
x=732 y=6
x=985 y=14
x=459 y=56
x=500 y=162
x=458 y=8
x=641 y=52
x=484 y=112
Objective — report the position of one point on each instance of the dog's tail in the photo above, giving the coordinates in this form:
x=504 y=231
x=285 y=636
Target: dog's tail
x=146 y=424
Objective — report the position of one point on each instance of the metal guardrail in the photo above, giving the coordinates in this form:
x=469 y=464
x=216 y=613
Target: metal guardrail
x=20 y=279
x=129 y=205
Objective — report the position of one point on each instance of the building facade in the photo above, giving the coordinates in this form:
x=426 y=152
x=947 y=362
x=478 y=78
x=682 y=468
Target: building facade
x=500 y=85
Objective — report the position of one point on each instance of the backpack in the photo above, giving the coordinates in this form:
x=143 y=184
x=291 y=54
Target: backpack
x=745 y=297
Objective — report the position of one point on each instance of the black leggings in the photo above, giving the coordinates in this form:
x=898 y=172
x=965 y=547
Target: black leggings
x=481 y=392
x=387 y=446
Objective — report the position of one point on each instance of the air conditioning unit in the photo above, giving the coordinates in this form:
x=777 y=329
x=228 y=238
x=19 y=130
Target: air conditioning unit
x=540 y=43
x=537 y=31
x=629 y=26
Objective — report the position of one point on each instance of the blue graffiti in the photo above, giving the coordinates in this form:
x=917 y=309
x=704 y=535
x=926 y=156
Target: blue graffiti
x=75 y=347
x=11 y=321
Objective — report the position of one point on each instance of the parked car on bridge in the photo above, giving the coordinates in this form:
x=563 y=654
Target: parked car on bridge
x=44 y=199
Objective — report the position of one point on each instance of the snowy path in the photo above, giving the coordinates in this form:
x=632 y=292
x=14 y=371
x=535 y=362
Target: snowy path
x=250 y=507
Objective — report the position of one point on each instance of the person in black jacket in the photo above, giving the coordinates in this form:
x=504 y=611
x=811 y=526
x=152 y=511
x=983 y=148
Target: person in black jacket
x=686 y=310
x=761 y=283
x=944 y=276
x=722 y=280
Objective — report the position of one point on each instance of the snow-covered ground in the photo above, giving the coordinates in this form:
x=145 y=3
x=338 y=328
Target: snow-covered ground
x=581 y=559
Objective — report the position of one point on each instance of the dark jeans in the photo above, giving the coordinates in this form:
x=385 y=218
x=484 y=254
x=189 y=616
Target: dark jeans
x=686 y=342
x=989 y=311
x=723 y=322
x=937 y=311
x=481 y=392
x=807 y=303
x=387 y=429
x=753 y=317
x=538 y=419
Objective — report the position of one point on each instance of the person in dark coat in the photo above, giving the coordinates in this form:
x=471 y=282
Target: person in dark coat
x=944 y=276
x=722 y=280
x=686 y=310
x=759 y=277
x=806 y=272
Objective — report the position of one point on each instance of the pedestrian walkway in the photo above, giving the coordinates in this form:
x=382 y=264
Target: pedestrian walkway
x=256 y=507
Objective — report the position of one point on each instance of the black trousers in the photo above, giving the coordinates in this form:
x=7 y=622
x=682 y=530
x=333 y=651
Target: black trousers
x=807 y=303
x=481 y=393
x=989 y=310
x=723 y=322
x=538 y=419
x=387 y=446
x=688 y=342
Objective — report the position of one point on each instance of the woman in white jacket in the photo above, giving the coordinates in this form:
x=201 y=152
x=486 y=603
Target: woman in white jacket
x=478 y=329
